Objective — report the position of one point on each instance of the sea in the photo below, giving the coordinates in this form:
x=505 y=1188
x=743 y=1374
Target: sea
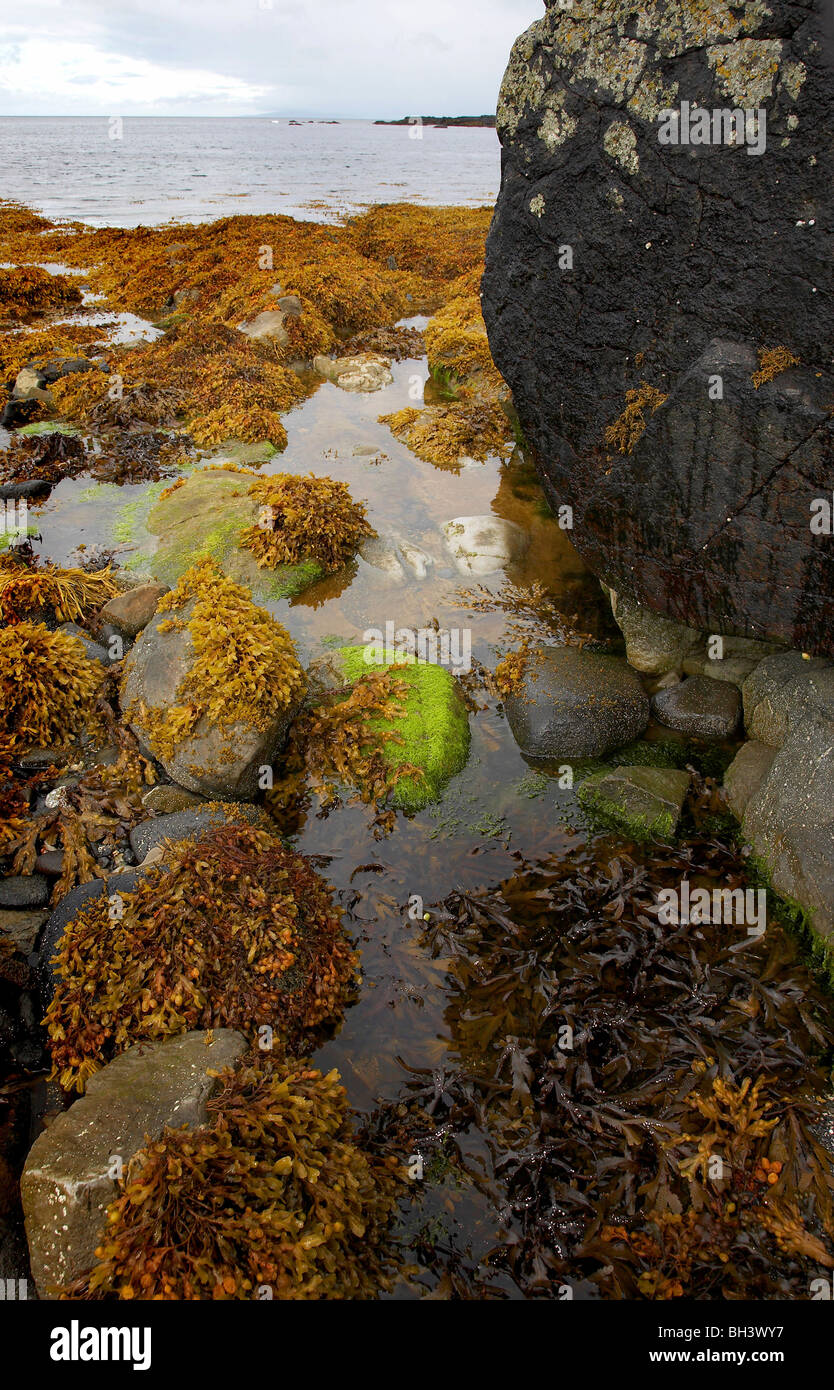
x=147 y=171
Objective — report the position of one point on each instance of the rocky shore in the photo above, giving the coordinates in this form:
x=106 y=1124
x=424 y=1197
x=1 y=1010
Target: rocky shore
x=327 y=680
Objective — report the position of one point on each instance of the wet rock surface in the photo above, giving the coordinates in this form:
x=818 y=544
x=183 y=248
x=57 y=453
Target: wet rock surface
x=643 y=802
x=190 y=824
x=131 y=611
x=602 y=278
x=745 y=775
x=483 y=544
x=700 y=706
x=576 y=704
x=221 y=760
x=70 y=1176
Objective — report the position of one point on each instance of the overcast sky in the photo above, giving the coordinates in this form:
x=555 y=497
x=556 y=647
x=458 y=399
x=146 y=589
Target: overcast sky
x=385 y=58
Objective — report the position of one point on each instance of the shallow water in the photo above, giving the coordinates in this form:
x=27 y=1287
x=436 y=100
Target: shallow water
x=194 y=170
x=495 y=807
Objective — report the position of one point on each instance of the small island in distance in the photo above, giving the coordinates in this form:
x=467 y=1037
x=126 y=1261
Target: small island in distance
x=441 y=121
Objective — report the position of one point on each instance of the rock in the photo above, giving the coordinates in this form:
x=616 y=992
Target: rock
x=64 y=913
x=267 y=326
x=24 y=890
x=576 y=704
x=782 y=691
x=32 y=488
x=36 y=759
x=790 y=820
x=29 y=386
x=205 y=518
x=434 y=734
x=166 y=799
x=217 y=759
x=644 y=802
x=745 y=775
x=190 y=824
x=368 y=372
x=483 y=544
x=654 y=645
x=706 y=520
x=416 y=559
x=95 y=651
x=132 y=610
x=382 y=555
x=22 y=929
x=68 y=1181
x=291 y=306
x=700 y=706
x=50 y=863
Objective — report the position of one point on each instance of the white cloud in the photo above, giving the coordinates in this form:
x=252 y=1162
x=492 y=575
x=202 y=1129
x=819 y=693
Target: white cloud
x=235 y=57
x=78 y=75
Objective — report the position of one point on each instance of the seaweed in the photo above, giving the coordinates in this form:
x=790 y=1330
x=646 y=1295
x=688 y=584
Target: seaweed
x=305 y=518
x=232 y=931
x=274 y=1197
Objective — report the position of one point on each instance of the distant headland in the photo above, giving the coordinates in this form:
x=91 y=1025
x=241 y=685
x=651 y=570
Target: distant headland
x=487 y=121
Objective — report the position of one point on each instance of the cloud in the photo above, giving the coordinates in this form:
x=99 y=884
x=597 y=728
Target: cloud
x=80 y=75
x=242 y=57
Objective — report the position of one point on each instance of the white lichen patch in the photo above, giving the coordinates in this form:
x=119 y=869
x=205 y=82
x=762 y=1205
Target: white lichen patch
x=524 y=85
x=793 y=121
x=620 y=143
x=792 y=78
x=651 y=97
x=671 y=26
x=746 y=70
x=537 y=205
x=615 y=198
x=556 y=125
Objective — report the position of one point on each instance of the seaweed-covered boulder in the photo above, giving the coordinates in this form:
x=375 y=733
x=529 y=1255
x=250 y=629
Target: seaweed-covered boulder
x=429 y=732
x=205 y=517
x=211 y=686
x=657 y=272
x=576 y=704
x=71 y=1173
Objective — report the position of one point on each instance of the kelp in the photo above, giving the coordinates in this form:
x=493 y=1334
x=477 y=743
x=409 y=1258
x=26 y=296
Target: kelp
x=45 y=457
x=48 y=686
x=28 y=292
x=446 y=435
x=244 y=668
x=650 y=1092
x=232 y=931
x=68 y=595
x=305 y=518
x=273 y=1197
x=340 y=742
x=772 y=362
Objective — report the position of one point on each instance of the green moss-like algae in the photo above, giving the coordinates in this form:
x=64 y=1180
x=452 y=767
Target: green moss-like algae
x=642 y=805
x=435 y=731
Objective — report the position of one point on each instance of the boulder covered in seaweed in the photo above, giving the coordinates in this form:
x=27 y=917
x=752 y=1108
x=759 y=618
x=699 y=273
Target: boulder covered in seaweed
x=72 y=1172
x=211 y=686
x=278 y=1194
x=233 y=930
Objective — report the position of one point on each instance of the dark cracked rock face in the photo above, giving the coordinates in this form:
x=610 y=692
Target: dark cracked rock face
x=617 y=263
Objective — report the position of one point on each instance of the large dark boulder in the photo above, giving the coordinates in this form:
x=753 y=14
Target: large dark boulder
x=618 y=263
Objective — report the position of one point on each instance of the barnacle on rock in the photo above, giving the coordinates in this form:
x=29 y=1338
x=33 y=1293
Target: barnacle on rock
x=244 y=668
x=233 y=931
x=274 y=1192
x=305 y=518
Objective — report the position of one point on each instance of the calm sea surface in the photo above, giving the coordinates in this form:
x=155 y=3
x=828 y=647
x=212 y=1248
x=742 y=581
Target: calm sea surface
x=196 y=170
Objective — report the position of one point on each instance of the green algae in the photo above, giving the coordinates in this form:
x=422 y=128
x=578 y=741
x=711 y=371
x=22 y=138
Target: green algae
x=640 y=801
x=435 y=731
